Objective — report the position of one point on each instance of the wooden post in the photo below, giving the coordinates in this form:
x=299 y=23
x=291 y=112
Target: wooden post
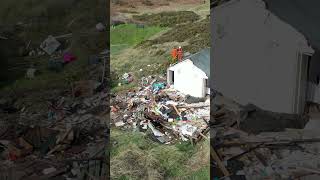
x=219 y=162
x=104 y=69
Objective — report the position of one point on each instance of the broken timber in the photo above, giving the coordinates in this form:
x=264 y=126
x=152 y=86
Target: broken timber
x=219 y=162
x=271 y=143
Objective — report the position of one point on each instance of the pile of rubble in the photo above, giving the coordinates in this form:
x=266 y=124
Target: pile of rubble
x=167 y=114
x=67 y=141
x=250 y=143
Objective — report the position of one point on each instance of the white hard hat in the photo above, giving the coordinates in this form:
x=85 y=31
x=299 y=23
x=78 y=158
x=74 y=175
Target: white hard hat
x=179 y=47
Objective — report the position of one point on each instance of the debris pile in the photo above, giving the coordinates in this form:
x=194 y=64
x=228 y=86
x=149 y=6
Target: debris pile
x=250 y=143
x=67 y=142
x=161 y=111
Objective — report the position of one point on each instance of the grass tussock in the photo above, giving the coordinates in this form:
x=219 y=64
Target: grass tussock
x=134 y=164
x=135 y=156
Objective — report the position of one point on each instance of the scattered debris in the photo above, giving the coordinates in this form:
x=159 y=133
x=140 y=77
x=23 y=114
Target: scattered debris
x=2 y=37
x=93 y=59
x=42 y=148
x=55 y=64
x=50 y=45
x=49 y=170
x=68 y=57
x=162 y=110
x=127 y=78
x=19 y=148
x=250 y=143
x=100 y=27
x=85 y=88
x=191 y=99
x=31 y=73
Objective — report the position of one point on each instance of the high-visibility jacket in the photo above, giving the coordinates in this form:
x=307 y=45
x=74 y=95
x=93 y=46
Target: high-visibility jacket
x=174 y=53
x=180 y=54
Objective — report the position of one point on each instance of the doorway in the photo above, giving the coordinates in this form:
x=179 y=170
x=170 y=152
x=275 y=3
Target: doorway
x=171 y=77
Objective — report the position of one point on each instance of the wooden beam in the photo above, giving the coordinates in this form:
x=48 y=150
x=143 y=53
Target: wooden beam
x=215 y=156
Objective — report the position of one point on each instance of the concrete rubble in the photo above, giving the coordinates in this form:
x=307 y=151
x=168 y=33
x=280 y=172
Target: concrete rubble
x=160 y=110
x=65 y=141
x=285 y=147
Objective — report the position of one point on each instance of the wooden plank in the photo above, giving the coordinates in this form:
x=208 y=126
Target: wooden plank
x=56 y=173
x=191 y=140
x=104 y=69
x=272 y=143
x=4 y=38
x=215 y=156
x=63 y=36
x=205 y=137
x=175 y=108
x=91 y=177
x=315 y=171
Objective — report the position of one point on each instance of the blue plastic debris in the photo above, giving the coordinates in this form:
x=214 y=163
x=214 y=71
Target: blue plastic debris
x=158 y=86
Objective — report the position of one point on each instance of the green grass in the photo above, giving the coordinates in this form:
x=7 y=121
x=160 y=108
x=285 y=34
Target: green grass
x=127 y=35
x=143 y=158
x=202 y=173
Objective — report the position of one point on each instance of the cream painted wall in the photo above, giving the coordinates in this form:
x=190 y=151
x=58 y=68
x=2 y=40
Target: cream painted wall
x=255 y=56
x=189 y=79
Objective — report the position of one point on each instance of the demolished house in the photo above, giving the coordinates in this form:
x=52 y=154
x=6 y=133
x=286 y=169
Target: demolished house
x=265 y=73
x=191 y=75
x=166 y=114
x=271 y=61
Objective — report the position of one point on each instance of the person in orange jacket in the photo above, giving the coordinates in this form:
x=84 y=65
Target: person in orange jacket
x=180 y=53
x=174 y=53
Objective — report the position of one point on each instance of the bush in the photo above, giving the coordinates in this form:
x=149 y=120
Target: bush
x=168 y=19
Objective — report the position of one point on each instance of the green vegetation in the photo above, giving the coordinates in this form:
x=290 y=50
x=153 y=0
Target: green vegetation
x=38 y=19
x=196 y=34
x=46 y=79
x=136 y=156
x=125 y=58
x=156 y=51
x=128 y=35
x=168 y=19
x=52 y=17
x=202 y=173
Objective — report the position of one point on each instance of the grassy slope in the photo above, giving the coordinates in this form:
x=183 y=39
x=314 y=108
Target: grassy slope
x=127 y=35
x=125 y=57
x=135 y=156
x=180 y=27
x=57 y=15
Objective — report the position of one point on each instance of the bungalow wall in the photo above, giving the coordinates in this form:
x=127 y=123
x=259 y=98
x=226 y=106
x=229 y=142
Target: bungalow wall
x=188 y=79
x=258 y=57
